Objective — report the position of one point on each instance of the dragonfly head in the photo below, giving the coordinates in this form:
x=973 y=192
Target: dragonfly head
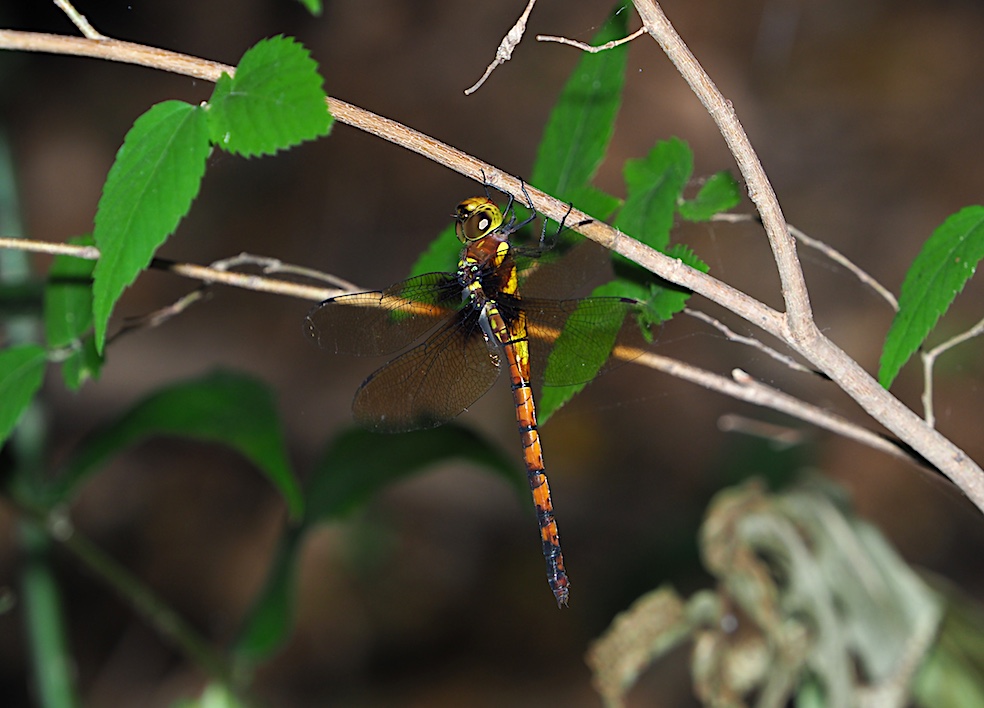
x=475 y=218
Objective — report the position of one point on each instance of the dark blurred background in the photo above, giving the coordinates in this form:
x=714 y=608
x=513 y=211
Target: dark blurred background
x=867 y=116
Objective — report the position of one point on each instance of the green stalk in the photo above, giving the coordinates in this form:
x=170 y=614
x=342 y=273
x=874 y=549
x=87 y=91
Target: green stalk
x=44 y=624
x=50 y=658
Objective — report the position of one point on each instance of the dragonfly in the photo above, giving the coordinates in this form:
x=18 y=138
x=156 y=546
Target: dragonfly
x=478 y=322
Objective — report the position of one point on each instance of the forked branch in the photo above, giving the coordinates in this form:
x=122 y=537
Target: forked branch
x=800 y=330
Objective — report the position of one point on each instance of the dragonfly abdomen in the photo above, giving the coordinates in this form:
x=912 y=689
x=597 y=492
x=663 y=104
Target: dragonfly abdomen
x=513 y=339
x=540 y=488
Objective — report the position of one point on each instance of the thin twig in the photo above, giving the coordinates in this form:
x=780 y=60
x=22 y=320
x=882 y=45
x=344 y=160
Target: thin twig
x=78 y=19
x=836 y=256
x=929 y=361
x=506 y=46
x=275 y=265
x=763 y=395
x=744 y=388
x=782 y=435
x=587 y=47
x=160 y=315
x=748 y=341
x=827 y=250
x=88 y=253
x=246 y=281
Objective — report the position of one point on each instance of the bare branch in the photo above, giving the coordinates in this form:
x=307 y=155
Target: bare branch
x=161 y=315
x=745 y=388
x=587 y=47
x=246 y=281
x=929 y=361
x=672 y=269
x=275 y=265
x=827 y=250
x=799 y=330
x=749 y=341
x=781 y=435
x=799 y=317
x=506 y=46
x=88 y=253
x=78 y=19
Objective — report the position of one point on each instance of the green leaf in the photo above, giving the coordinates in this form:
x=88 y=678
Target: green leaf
x=222 y=407
x=572 y=354
x=719 y=193
x=441 y=255
x=595 y=202
x=270 y=620
x=313 y=6
x=359 y=463
x=275 y=100
x=156 y=176
x=583 y=120
x=940 y=271
x=574 y=141
x=68 y=298
x=662 y=299
x=553 y=398
x=21 y=374
x=654 y=186
x=659 y=300
x=68 y=316
x=82 y=364
x=355 y=467
x=667 y=299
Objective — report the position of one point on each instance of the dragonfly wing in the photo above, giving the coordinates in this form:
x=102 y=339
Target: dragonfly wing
x=555 y=274
x=430 y=384
x=384 y=321
x=572 y=341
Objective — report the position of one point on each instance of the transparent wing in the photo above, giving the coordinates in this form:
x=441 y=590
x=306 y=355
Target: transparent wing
x=384 y=321
x=572 y=341
x=432 y=383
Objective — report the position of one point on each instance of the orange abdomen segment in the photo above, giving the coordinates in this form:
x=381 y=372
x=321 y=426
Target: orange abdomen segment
x=517 y=355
